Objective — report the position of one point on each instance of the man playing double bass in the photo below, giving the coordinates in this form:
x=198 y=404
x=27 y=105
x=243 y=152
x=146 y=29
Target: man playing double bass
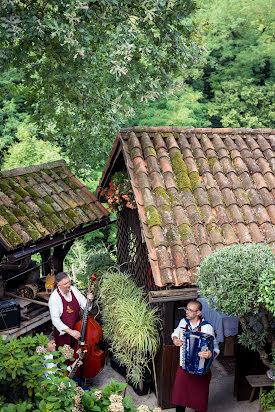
x=64 y=305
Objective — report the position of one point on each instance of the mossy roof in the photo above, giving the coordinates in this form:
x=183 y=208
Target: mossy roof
x=41 y=201
x=198 y=190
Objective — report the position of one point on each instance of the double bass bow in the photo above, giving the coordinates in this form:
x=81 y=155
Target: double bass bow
x=90 y=335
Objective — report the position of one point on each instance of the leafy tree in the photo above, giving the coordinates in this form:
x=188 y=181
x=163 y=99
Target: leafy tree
x=29 y=150
x=86 y=62
x=13 y=110
x=231 y=279
x=180 y=109
x=238 y=78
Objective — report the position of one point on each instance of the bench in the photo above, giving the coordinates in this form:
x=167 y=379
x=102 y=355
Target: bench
x=258 y=381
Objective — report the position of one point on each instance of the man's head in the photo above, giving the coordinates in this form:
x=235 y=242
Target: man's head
x=193 y=310
x=63 y=282
x=51 y=344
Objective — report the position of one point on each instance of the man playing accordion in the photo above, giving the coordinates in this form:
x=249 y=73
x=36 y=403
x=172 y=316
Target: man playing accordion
x=191 y=390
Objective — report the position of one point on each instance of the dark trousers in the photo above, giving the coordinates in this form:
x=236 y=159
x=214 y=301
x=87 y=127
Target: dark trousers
x=180 y=408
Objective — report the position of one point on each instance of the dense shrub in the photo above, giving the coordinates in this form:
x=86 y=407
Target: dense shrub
x=236 y=279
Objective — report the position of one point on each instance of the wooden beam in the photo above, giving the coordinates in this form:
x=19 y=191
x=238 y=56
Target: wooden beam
x=12 y=295
x=58 y=240
x=172 y=295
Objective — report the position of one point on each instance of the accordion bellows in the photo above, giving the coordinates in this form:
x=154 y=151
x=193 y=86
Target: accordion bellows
x=193 y=343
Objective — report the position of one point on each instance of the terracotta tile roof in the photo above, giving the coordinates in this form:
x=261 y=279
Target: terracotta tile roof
x=43 y=200
x=198 y=190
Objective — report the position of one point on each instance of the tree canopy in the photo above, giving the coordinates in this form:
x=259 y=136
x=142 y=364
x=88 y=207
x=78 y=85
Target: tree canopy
x=85 y=62
x=235 y=83
x=234 y=279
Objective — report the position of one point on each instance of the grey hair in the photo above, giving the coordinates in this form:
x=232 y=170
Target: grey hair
x=60 y=276
x=50 y=338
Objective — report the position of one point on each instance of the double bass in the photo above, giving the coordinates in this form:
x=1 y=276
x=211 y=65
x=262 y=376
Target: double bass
x=90 y=335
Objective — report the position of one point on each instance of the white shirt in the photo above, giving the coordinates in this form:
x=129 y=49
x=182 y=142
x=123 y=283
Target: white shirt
x=50 y=365
x=205 y=329
x=56 y=306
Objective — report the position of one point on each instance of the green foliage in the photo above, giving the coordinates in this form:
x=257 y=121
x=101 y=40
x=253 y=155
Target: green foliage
x=29 y=150
x=231 y=279
x=57 y=393
x=20 y=365
x=267 y=288
x=104 y=399
x=238 y=77
x=177 y=109
x=17 y=407
x=130 y=325
x=234 y=87
x=82 y=261
x=84 y=64
x=268 y=400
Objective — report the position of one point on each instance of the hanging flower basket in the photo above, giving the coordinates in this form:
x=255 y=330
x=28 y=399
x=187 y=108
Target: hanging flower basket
x=119 y=194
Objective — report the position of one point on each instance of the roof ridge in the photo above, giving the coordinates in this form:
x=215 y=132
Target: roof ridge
x=167 y=129
x=19 y=171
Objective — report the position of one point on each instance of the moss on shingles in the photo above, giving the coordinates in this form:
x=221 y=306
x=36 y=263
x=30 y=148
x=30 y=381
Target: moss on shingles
x=27 y=211
x=18 y=212
x=161 y=192
x=13 y=183
x=33 y=193
x=31 y=229
x=56 y=221
x=10 y=217
x=184 y=230
x=171 y=236
x=12 y=238
x=172 y=197
x=153 y=217
x=71 y=183
x=4 y=187
x=211 y=162
x=48 y=199
x=66 y=220
x=194 y=180
x=165 y=208
x=152 y=151
x=199 y=213
x=45 y=207
x=135 y=152
x=21 y=192
x=15 y=197
x=71 y=214
x=181 y=172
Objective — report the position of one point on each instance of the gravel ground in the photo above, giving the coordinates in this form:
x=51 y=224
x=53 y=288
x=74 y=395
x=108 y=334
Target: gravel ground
x=220 y=399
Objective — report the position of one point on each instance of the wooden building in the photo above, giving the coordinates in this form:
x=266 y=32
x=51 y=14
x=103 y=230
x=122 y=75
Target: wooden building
x=43 y=209
x=196 y=190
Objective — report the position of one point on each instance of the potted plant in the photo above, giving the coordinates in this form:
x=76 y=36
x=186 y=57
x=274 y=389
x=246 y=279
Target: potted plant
x=130 y=326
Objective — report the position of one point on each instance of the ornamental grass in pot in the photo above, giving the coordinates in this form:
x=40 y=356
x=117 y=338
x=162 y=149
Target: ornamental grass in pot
x=130 y=325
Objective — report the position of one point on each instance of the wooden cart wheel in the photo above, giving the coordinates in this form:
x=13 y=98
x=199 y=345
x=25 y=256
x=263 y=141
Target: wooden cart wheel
x=28 y=291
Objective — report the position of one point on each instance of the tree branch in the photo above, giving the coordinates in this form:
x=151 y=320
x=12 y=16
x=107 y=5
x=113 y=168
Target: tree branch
x=250 y=330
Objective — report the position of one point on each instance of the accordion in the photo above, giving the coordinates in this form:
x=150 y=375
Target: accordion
x=193 y=343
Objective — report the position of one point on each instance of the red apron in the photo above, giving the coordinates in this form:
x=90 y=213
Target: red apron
x=191 y=390
x=69 y=316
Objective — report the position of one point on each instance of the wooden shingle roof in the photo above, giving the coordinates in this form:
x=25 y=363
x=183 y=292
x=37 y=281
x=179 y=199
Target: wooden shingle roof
x=41 y=201
x=198 y=190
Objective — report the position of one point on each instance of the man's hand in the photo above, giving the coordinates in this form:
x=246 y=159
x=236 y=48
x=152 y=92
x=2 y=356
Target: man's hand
x=75 y=334
x=177 y=341
x=90 y=297
x=79 y=363
x=206 y=355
